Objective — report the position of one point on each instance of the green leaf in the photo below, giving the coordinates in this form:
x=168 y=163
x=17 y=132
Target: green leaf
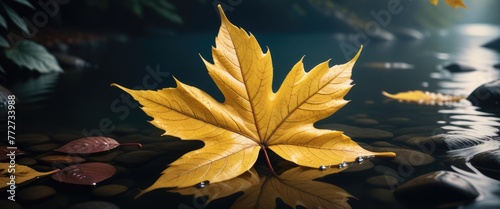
x=25 y=2
x=164 y=9
x=16 y=19
x=3 y=42
x=170 y=15
x=34 y=57
x=136 y=7
x=3 y=23
x=166 y=4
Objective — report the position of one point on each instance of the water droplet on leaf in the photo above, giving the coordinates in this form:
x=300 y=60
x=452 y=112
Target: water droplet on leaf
x=202 y=184
x=342 y=165
x=359 y=160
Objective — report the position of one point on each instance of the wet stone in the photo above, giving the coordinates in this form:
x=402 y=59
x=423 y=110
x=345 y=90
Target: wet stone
x=125 y=129
x=398 y=121
x=120 y=170
x=106 y=156
x=436 y=190
x=56 y=201
x=459 y=68
x=381 y=195
x=31 y=139
x=136 y=157
x=65 y=137
x=36 y=193
x=8 y=204
x=444 y=142
x=494 y=44
x=406 y=137
x=411 y=157
x=489 y=103
x=26 y=161
x=417 y=130
x=366 y=165
x=357 y=132
x=127 y=182
x=403 y=156
x=360 y=115
x=42 y=147
x=365 y=122
x=488 y=163
x=94 y=205
x=383 y=144
x=109 y=190
x=383 y=181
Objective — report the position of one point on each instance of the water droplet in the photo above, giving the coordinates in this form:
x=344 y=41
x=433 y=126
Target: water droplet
x=202 y=184
x=343 y=164
x=322 y=168
x=359 y=160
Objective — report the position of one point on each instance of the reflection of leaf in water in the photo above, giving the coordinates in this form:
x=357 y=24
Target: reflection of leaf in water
x=35 y=89
x=294 y=187
x=223 y=189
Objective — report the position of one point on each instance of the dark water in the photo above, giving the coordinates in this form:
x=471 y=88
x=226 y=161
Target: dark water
x=83 y=102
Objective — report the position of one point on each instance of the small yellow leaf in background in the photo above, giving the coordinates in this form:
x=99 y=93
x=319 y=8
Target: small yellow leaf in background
x=451 y=3
x=421 y=97
x=21 y=174
x=252 y=116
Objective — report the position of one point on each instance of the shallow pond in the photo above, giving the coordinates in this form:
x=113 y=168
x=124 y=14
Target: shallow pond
x=67 y=106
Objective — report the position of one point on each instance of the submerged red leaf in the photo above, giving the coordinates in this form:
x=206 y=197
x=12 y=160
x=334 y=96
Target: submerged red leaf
x=89 y=145
x=85 y=174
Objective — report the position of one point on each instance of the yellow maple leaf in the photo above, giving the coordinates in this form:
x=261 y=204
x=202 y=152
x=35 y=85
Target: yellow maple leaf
x=252 y=117
x=423 y=97
x=451 y=3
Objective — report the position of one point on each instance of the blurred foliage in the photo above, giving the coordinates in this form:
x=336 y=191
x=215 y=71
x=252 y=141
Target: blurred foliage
x=24 y=53
x=14 y=18
x=162 y=7
x=418 y=14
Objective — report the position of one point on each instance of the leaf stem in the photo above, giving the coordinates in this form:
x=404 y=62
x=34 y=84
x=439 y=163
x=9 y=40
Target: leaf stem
x=55 y=171
x=268 y=160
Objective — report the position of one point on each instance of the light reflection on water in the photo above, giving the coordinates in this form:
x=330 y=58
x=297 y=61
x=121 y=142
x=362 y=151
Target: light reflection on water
x=469 y=51
x=489 y=189
x=468 y=120
x=465 y=119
